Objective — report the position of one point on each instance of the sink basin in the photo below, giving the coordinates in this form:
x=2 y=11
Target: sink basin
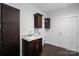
x=31 y=37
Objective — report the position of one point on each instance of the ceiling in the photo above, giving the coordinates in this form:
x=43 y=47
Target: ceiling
x=49 y=7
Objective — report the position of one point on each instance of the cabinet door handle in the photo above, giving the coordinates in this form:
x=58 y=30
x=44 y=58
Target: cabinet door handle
x=0 y=26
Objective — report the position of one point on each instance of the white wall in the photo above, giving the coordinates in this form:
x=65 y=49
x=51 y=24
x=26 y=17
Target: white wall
x=53 y=35
x=27 y=12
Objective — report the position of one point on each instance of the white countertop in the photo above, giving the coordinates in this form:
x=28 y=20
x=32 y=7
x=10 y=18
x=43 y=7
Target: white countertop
x=30 y=38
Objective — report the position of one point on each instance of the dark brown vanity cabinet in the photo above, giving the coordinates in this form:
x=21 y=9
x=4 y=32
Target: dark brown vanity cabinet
x=9 y=30
x=37 y=20
x=32 y=48
x=47 y=23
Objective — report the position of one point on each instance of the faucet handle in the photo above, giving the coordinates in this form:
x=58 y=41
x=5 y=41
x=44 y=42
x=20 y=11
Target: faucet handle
x=39 y=33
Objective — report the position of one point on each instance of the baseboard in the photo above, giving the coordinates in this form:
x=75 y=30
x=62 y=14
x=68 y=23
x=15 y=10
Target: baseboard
x=62 y=47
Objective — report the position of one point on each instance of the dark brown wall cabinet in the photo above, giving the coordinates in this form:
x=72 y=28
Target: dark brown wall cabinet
x=47 y=23
x=9 y=30
x=37 y=20
x=32 y=48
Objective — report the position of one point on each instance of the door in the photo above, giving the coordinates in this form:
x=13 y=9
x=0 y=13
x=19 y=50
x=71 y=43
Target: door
x=0 y=25
x=68 y=33
x=10 y=30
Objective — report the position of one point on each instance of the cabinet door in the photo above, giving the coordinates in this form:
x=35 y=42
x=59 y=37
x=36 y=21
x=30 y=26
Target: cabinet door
x=36 y=47
x=47 y=23
x=10 y=30
x=40 y=21
x=25 y=48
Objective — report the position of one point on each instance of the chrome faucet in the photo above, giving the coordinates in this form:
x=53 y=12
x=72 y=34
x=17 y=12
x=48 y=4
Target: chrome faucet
x=39 y=33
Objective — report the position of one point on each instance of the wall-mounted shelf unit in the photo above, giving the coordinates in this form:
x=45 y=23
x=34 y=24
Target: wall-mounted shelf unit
x=47 y=23
x=37 y=20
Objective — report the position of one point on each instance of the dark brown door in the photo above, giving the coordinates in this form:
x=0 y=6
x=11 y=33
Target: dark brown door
x=10 y=30
x=0 y=25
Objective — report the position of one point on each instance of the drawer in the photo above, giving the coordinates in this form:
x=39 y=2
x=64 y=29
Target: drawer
x=35 y=41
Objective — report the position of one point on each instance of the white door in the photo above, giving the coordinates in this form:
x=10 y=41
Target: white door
x=68 y=33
